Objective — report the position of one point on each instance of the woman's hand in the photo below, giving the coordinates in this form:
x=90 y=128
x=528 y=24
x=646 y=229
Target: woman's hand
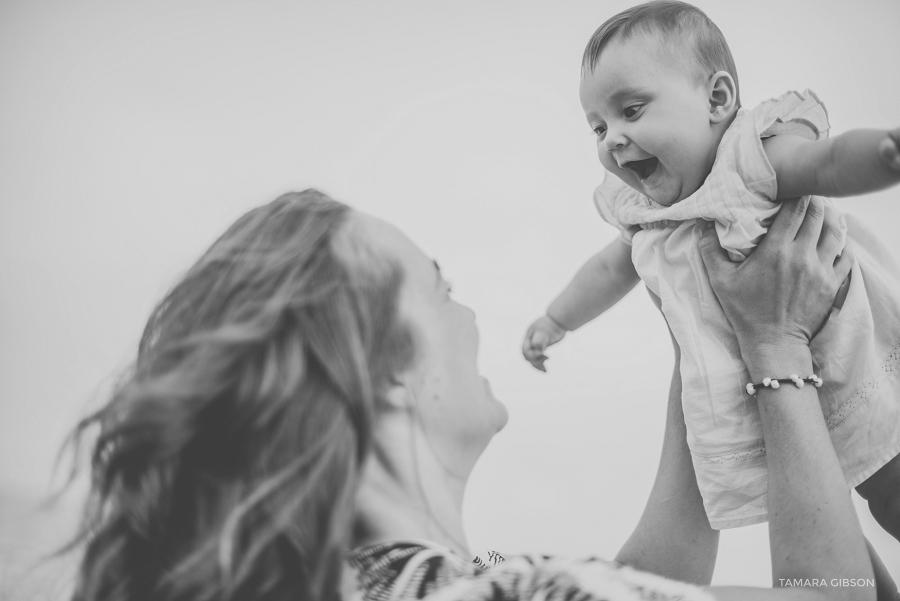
x=776 y=300
x=781 y=295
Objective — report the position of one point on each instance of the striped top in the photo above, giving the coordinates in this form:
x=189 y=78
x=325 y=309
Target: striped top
x=400 y=571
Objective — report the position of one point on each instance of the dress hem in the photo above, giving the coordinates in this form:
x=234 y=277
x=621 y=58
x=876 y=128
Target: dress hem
x=728 y=524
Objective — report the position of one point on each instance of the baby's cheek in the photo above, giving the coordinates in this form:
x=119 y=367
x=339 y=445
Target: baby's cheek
x=606 y=159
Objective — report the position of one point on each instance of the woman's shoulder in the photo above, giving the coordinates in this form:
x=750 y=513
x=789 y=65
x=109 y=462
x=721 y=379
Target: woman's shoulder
x=402 y=571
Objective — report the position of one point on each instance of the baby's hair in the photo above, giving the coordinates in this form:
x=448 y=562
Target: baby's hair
x=674 y=21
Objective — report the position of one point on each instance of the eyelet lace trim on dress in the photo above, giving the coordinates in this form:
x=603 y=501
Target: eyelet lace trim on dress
x=866 y=390
x=862 y=395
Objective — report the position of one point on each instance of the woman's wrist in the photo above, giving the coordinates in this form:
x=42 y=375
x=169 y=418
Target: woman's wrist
x=777 y=359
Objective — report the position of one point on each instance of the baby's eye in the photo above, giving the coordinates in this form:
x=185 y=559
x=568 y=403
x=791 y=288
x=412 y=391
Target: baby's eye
x=600 y=130
x=632 y=111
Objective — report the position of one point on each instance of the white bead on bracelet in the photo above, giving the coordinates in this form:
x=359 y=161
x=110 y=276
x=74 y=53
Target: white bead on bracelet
x=792 y=379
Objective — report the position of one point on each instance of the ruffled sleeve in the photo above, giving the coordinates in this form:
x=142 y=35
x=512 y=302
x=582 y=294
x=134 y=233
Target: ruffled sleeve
x=741 y=190
x=795 y=113
x=606 y=197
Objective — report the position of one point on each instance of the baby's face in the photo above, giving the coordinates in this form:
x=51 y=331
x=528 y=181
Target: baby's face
x=651 y=118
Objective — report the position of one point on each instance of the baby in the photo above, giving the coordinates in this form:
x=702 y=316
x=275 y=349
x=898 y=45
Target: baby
x=660 y=89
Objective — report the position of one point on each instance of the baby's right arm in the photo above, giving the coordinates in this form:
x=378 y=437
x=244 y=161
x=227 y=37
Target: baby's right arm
x=600 y=283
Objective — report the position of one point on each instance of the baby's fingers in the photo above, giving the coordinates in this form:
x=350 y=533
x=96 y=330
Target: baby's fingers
x=540 y=340
x=536 y=358
x=526 y=346
x=889 y=149
x=533 y=352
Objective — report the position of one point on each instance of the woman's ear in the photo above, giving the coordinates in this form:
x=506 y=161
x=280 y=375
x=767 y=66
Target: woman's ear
x=722 y=96
x=398 y=396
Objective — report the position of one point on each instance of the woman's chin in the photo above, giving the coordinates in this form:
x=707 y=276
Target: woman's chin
x=503 y=416
x=500 y=414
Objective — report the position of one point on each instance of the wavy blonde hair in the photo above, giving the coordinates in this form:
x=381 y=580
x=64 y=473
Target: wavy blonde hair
x=228 y=459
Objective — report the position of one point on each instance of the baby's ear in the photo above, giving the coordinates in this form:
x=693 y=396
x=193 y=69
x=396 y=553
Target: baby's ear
x=722 y=96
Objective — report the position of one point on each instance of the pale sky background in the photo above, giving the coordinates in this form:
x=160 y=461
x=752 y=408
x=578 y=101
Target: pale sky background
x=133 y=133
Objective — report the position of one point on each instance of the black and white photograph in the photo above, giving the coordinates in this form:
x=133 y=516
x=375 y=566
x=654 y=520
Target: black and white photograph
x=470 y=300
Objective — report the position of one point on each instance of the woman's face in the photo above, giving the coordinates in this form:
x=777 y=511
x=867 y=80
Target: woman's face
x=458 y=412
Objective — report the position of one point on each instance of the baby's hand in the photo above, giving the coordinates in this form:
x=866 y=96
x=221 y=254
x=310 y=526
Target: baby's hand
x=542 y=333
x=889 y=149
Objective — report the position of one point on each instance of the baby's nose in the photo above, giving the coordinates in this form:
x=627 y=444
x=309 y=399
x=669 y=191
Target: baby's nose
x=614 y=140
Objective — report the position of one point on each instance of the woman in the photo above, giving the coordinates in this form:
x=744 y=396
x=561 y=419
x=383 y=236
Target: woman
x=308 y=393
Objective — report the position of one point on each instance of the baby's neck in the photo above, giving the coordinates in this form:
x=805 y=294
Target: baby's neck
x=716 y=140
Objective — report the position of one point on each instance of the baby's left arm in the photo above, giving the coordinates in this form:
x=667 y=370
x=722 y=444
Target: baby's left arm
x=855 y=162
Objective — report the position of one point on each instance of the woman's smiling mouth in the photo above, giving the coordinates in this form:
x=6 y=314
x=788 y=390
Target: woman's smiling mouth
x=643 y=168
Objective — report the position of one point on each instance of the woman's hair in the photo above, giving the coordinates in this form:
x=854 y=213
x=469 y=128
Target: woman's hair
x=228 y=459
x=681 y=25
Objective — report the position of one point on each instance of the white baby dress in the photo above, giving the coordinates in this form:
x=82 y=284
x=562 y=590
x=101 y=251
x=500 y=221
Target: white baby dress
x=857 y=353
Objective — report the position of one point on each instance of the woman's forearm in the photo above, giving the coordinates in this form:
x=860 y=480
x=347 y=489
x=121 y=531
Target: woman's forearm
x=814 y=532
x=776 y=300
x=673 y=537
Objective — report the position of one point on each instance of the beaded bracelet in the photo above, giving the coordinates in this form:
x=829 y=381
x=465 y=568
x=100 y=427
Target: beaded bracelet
x=777 y=382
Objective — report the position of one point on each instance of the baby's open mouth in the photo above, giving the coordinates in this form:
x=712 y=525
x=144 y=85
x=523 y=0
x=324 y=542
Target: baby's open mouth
x=644 y=168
